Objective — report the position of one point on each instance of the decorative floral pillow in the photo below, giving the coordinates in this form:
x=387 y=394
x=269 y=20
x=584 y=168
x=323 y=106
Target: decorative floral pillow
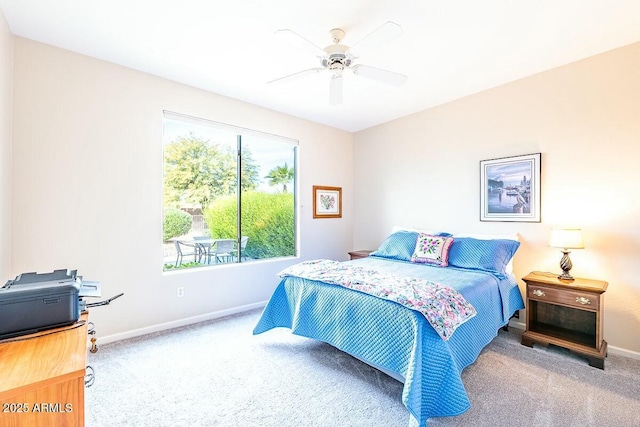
x=432 y=249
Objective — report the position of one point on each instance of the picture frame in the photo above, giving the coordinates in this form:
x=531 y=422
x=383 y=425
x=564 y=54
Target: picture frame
x=327 y=202
x=510 y=189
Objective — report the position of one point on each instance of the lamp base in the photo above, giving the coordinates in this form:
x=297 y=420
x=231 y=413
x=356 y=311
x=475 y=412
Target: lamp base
x=566 y=276
x=565 y=265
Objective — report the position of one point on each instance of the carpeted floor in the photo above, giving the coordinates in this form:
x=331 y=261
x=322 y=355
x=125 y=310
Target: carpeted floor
x=218 y=374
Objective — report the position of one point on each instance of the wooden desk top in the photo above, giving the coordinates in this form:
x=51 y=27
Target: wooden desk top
x=35 y=359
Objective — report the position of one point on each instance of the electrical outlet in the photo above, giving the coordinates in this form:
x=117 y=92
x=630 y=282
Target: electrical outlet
x=180 y=291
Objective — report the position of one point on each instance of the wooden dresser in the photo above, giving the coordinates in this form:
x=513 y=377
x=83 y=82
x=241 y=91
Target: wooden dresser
x=42 y=377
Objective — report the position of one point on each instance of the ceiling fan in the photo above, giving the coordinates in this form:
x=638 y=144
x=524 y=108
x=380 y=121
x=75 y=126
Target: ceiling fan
x=336 y=58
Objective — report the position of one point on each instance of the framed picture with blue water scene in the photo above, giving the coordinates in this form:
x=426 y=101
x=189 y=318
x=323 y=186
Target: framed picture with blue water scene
x=510 y=189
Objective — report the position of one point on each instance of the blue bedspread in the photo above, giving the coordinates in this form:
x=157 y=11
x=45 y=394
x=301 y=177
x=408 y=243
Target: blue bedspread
x=396 y=338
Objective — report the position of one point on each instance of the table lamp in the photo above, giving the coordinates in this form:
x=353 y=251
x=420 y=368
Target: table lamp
x=566 y=238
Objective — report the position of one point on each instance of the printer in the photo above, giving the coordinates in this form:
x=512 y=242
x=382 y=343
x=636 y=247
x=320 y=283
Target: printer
x=34 y=302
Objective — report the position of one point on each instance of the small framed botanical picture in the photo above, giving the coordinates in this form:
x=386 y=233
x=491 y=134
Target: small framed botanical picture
x=327 y=202
x=510 y=189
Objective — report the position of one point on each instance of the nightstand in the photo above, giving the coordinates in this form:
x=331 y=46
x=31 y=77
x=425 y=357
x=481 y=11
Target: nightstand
x=567 y=314
x=359 y=254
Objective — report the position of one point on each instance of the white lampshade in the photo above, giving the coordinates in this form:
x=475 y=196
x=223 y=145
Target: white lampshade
x=567 y=238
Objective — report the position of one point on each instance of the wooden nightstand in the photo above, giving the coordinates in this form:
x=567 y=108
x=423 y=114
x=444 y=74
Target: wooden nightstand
x=359 y=254
x=567 y=314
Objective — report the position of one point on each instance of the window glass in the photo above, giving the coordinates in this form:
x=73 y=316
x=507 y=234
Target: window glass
x=229 y=194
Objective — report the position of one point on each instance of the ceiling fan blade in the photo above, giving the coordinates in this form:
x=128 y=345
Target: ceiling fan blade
x=335 y=90
x=378 y=74
x=296 y=40
x=386 y=32
x=296 y=76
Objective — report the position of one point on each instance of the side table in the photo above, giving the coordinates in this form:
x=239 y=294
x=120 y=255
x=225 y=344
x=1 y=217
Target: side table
x=567 y=314
x=359 y=254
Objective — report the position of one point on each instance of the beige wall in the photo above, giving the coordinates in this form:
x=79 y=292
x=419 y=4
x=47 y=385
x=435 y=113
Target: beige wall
x=6 y=90
x=87 y=168
x=584 y=118
x=87 y=186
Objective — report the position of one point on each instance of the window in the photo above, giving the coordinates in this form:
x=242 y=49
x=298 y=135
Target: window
x=229 y=194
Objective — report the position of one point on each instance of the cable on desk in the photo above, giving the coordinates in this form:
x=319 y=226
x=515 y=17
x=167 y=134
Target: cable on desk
x=30 y=337
x=89 y=377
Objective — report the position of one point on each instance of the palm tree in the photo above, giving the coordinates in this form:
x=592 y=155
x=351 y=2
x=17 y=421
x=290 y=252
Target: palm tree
x=281 y=175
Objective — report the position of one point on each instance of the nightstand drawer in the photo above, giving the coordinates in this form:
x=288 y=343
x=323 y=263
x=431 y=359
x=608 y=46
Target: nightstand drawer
x=582 y=300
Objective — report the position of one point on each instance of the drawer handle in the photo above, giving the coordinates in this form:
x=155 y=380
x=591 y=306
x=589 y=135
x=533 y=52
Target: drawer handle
x=583 y=300
x=538 y=293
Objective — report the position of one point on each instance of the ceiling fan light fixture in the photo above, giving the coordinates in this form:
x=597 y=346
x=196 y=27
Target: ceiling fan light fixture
x=336 y=61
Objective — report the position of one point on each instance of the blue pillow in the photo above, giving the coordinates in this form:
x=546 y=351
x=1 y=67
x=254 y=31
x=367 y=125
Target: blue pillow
x=487 y=255
x=400 y=245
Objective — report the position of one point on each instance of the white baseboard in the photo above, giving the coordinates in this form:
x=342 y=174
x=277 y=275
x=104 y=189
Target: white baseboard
x=517 y=324
x=618 y=351
x=623 y=352
x=178 y=323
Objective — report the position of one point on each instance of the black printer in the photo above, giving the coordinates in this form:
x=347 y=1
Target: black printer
x=34 y=302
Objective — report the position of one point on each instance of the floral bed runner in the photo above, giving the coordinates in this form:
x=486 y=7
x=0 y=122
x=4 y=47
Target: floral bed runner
x=444 y=307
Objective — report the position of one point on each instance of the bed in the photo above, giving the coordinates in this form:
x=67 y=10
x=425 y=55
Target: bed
x=402 y=341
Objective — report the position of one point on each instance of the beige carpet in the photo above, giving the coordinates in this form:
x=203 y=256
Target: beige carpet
x=218 y=374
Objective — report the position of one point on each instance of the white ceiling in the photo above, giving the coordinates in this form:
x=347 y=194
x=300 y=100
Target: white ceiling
x=449 y=49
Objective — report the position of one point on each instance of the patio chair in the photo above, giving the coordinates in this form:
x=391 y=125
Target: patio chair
x=205 y=247
x=223 y=251
x=186 y=248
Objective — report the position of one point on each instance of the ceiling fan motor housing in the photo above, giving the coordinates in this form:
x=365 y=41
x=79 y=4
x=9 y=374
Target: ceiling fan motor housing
x=337 y=58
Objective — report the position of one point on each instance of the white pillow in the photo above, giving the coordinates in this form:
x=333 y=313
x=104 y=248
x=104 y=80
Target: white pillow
x=509 y=267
